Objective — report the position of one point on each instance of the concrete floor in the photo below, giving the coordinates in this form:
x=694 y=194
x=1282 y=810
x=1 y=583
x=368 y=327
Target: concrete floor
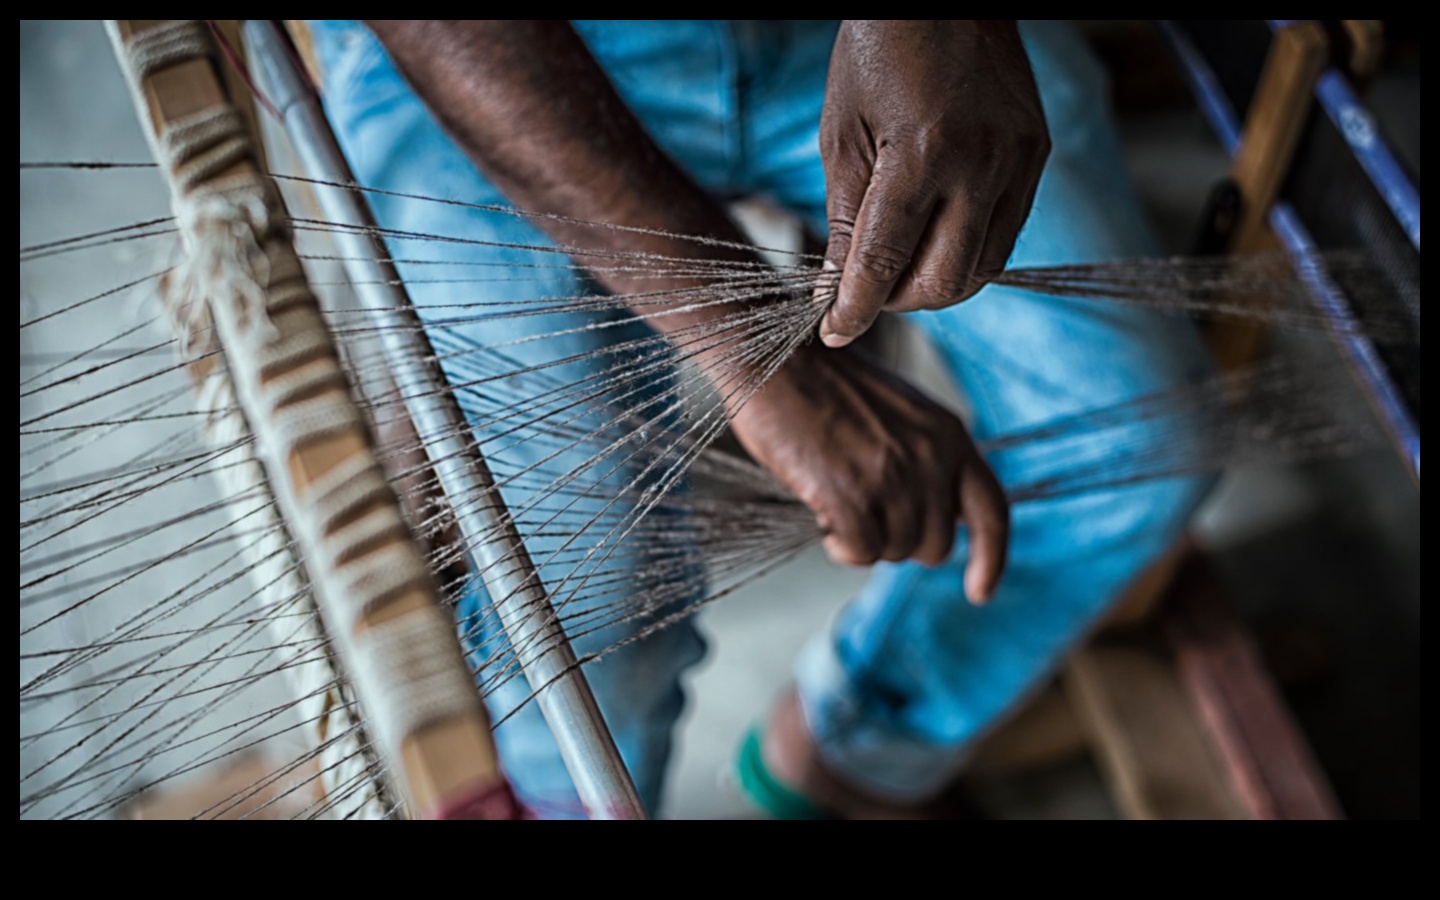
x=1329 y=553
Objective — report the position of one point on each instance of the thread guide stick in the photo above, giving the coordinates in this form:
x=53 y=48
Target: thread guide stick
x=545 y=655
x=444 y=759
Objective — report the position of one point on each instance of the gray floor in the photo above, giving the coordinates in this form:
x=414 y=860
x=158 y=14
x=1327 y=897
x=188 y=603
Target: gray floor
x=1321 y=554
x=74 y=106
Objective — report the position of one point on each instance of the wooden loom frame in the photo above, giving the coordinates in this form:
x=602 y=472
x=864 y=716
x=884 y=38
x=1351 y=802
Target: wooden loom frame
x=1185 y=721
x=544 y=653
x=1229 y=747
x=1296 y=61
x=447 y=764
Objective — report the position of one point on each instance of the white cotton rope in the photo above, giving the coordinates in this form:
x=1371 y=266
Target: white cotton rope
x=240 y=273
x=407 y=687
x=320 y=697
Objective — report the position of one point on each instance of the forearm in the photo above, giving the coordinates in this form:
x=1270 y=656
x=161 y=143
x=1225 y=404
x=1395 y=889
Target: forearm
x=885 y=469
x=534 y=110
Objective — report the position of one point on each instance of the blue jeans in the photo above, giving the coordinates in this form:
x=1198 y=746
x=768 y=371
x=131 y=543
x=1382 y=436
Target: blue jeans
x=911 y=673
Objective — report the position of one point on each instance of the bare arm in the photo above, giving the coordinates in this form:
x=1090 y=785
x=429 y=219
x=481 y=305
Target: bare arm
x=534 y=110
x=886 y=470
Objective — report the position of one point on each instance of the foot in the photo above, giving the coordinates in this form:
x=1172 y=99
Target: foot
x=792 y=759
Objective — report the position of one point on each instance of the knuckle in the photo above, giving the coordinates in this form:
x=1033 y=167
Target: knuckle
x=851 y=145
x=841 y=226
x=984 y=274
x=907 y=298
x=880 y=263
x=941 y=289
x=973 y=231
x=1033 y=141
x=904 y=137
x=1043 y=145
x=933 y=140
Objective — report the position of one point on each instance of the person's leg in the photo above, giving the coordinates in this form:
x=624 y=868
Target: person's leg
x=911 y=673
x=395 y=144
x=783 y=103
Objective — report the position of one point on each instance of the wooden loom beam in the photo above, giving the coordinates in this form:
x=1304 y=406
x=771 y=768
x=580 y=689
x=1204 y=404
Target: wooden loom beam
x=445 y=760
x=1218 y=701
x=1283 y=104
x=522 y=603
x=1268 y=765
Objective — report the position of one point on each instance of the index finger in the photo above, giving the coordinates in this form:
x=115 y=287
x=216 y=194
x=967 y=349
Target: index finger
x=888 y=227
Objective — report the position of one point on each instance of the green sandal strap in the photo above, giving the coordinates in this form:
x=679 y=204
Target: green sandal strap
x=765 y=791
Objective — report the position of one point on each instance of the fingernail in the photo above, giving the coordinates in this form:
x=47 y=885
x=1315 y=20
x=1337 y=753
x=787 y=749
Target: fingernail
x=835 y=341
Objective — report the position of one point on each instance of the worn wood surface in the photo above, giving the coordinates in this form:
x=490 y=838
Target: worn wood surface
x=1045 y=732
x=1284 y=101
x=1366 y=50
x=1266 y=757
x=1150 y=744
x=450 y=757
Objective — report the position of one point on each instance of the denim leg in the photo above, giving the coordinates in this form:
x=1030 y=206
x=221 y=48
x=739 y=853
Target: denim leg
x=394 y=143
x=782 y=126
x=903 y=684
x=911 y=673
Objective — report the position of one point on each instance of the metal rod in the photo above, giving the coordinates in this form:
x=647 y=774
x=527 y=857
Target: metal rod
x=1358 y=126
x=1361 y=132
x=1384 y=395
x=540 y=643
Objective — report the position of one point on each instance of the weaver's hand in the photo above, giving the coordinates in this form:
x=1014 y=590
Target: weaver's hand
x=933 y=140
x=886 y=470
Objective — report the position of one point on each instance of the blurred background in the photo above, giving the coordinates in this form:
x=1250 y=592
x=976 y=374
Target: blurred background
x=1320 y=561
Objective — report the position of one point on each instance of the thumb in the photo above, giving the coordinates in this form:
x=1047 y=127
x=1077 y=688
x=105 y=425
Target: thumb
x=841 y=217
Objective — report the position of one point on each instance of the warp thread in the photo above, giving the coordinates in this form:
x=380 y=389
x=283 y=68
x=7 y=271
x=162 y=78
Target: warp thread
x=238 y=271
